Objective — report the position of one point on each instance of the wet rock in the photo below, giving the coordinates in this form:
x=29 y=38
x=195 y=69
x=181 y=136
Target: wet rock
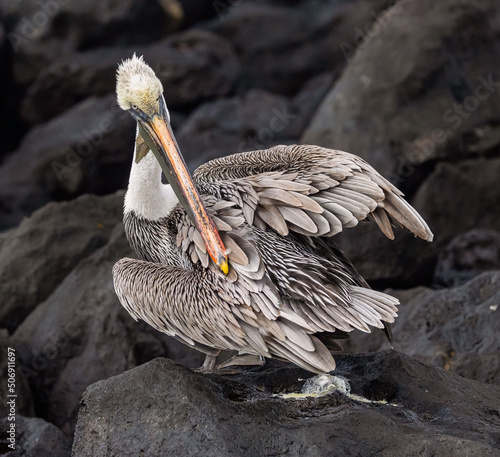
x=459 y=197
x=193 y=66
x=86 y=149
x=455 y=329
x=282 y=47
x=467 y=255
x=433 y=95
x=81 y=334
x=412 y=408
x=34 y=438
x=37 y=255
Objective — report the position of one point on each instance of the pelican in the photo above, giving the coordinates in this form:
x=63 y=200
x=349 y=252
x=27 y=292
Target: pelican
x=238 y=256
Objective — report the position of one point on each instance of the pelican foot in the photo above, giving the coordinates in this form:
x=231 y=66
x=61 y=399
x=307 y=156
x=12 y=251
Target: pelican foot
x=243 y=360
x=239 y=360
x=208 y=365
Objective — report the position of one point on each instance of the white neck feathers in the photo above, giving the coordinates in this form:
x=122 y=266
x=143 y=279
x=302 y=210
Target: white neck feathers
x=146 y=195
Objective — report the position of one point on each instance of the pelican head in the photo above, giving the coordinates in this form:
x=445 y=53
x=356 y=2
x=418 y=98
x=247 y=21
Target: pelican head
x=137 y=86
x=140 y=93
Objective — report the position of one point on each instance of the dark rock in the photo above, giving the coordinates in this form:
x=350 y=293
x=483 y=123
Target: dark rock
x=41 y=32
x=459 y=197
x=406 y=261
x=194 y=66
x=34 y=55
x=81 y=333
x=24 y=399
x=34 y=438
x=10 y=130
x=307 y=100
x=467 y=255
x=282 y=47
x=86 y=149
x=197 y=10
x=455 y=198
x=456 y=329
x=37 y=255
x=397 y=101
x=161 y=408
x=87 y=24
x=256 y=120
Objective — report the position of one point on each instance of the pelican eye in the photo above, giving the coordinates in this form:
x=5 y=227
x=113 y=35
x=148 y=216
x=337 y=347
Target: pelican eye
x=133 y=106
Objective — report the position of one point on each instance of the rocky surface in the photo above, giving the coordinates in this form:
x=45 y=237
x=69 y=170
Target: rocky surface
x=453 y=211
x=467 y=255
x=257 y=120
x=79 y=333
x=377 y=106
x=42 y=251
x=35 y=437
x=410 y=86
x=455 y=329
x=302 y=41
x=83 y=149
x=412 y=408
x=193 y=66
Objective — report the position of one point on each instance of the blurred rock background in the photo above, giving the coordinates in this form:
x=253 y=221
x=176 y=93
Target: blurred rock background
x=412 y=87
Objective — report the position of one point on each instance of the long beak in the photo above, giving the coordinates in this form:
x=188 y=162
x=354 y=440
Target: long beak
x=158 y=135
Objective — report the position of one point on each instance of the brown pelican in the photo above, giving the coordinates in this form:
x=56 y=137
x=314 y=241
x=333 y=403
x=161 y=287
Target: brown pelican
x=238 y=256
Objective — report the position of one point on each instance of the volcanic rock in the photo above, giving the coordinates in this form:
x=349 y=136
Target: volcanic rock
x=42 y=251
x=459 y=197
x=467 y=255
x=456 y=329
x=282 y=47
x=24 y=399
x=86 y=149
x=81 y=333
x=193 y=66
x=406 y=261
x=417 y=89
x=86 y=24
x=35 y=438
x=256 y=120
x=410 y=408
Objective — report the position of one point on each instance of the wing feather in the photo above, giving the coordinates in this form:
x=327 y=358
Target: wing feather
x=300 y=180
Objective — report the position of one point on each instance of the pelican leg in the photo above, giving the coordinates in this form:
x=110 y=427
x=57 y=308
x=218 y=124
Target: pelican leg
x=208 y=365
x=243 y=359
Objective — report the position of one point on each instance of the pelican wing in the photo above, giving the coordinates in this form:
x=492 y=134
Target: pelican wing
x=287 y=310
x=196 y=307
x=308 y=190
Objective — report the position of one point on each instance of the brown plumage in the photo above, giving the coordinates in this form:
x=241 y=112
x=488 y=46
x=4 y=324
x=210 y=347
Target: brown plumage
x=288 y=292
